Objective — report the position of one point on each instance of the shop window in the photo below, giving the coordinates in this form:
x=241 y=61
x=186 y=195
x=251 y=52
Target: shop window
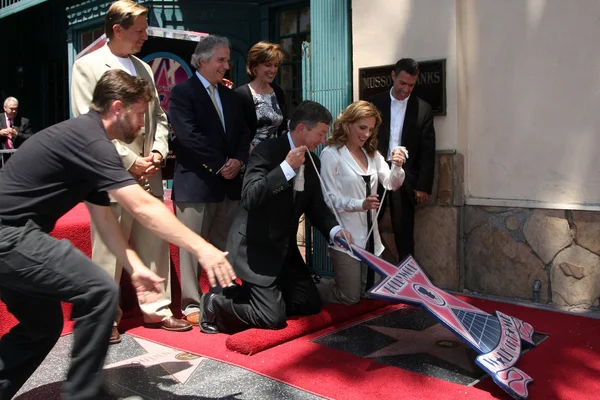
x=87 y=37
x=292 y=27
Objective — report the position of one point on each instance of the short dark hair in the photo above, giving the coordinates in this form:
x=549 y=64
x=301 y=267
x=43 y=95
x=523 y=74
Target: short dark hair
x=407 y=65
x=310 y=113
x=117 y=84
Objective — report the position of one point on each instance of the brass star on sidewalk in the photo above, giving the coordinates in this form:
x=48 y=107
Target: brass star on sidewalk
x=435 y=340
x=179 y=364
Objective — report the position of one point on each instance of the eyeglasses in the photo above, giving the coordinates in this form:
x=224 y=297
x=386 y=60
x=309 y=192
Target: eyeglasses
x=13 y=109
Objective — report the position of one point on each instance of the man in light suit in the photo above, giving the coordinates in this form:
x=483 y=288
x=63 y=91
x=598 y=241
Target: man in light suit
x=407 y=121
x=14 y=129
x=262 y=240
x=212 y=143
x=125 y=27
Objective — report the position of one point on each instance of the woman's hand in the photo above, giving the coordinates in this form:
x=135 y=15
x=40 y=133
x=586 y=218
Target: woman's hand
x=398 y=158
x=371 y=202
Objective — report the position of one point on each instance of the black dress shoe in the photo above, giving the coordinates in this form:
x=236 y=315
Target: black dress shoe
x=207 y=314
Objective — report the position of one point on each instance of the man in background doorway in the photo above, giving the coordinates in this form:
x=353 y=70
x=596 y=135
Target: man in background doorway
x=14 y=129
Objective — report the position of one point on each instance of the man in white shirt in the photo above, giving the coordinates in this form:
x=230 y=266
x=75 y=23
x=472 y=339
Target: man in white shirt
x=407 y=121
x=125 y=27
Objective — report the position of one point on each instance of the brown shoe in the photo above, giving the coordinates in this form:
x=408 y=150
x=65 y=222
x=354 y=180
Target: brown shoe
x=171 y=324
x=193 y=318
x=115 y=337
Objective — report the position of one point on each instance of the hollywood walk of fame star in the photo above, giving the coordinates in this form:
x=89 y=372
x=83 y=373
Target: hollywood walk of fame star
x=436 y=341
x=179 y=364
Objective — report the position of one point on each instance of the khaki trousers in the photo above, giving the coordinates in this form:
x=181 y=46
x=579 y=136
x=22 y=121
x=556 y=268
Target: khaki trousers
x=211 y=221
x=152 y=250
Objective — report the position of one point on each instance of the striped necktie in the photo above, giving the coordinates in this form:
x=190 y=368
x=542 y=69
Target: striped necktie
x=9 y=143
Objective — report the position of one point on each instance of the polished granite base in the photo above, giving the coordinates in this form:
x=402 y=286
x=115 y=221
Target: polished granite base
x=411 y=339
x=139 y=369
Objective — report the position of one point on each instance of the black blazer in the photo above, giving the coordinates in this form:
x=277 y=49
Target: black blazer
x=245 y=96
x=262 y=238
x=23 y=129
x=418 y=136
x=202 y=145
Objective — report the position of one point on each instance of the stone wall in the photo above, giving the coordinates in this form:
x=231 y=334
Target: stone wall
x=505 y=251
x=508 y=249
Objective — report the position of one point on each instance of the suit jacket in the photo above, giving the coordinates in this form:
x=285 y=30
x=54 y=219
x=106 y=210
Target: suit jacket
x=202 y=145
x=23 y=129
x=262 y=238
x=245 y=95
x=418 y=136
x=87 y=71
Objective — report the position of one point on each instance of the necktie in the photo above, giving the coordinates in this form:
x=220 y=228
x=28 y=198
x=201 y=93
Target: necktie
x=212 y=88
x=9 y=142
x=370 y=241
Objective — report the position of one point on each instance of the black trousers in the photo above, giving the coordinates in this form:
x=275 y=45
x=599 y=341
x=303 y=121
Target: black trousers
x=267 y=307
x=37 y=272
x=402 y=210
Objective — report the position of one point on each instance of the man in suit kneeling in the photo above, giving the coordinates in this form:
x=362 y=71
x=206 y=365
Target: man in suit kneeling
x=262 y=238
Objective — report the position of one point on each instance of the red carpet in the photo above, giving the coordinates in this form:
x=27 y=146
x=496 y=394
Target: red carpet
x=565 y=366
x=74 y=226
x=253 y=341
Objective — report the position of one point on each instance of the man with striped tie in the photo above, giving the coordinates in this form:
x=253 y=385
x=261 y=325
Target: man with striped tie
x=14 y=129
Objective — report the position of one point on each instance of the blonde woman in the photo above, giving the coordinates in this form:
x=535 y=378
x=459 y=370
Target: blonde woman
x=351 y=168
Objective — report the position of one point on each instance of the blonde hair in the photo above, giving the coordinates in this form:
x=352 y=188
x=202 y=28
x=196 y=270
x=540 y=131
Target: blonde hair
x=124 y=13
x=353 y=113
x=260 y=53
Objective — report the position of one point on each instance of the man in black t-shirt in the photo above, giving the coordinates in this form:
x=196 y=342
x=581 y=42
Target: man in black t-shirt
x=56 y=169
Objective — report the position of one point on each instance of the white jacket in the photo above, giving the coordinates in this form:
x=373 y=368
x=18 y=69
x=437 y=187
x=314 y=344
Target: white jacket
x=345 y=186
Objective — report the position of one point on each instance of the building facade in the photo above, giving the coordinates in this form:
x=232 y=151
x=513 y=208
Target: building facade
x=517 y=192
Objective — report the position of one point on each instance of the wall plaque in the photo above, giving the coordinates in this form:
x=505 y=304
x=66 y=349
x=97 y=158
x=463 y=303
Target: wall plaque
x=431 y=85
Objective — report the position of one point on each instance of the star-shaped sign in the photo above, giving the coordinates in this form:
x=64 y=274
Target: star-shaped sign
x=436 y=341
x=497 y=338
x=179 y=364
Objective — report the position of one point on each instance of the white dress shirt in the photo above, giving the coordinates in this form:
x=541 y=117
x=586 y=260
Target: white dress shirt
x=397 y=114
x=345 y=186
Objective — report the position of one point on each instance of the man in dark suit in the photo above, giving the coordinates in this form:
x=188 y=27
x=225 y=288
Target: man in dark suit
x=280 y=185
x=212 y=143
x=14 y=129
x=407 y=121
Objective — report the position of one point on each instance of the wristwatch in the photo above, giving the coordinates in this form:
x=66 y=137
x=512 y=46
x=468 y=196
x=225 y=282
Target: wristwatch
x=243 y=167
